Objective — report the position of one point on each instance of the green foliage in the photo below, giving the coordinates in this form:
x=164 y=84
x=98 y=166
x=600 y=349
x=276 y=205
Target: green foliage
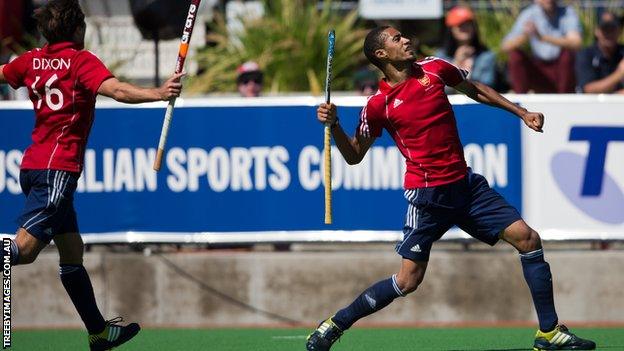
x=290 y=44
x=494 y=25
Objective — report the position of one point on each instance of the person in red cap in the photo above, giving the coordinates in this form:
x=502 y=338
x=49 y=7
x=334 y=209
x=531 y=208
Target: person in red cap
x=463 y=47
x=250 y=79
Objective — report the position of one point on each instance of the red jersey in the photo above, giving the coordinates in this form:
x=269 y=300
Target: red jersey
x=420 y=119
x=62 y=81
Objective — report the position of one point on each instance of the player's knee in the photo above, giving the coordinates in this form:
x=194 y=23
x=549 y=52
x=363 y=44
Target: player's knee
x=530 y=241
x=408 y=283
x=535 y=242
x=522 y=237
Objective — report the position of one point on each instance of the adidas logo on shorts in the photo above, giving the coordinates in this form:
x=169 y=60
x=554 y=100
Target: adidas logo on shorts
x=416 y=248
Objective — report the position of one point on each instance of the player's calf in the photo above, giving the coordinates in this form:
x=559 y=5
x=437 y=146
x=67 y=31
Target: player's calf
x=408 y=283
x=373 y=299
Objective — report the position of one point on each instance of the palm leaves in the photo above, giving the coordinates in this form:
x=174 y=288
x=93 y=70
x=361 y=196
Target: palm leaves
x=290 y=43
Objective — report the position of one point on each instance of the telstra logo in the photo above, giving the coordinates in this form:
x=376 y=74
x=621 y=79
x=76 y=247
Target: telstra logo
x=584 y=181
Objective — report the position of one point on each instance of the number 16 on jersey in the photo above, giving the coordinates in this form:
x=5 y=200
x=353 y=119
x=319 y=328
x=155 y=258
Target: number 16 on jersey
x=49 y=92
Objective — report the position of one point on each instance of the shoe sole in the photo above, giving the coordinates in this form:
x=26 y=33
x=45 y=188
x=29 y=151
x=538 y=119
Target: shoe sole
x=564 y=348
x=121 y=340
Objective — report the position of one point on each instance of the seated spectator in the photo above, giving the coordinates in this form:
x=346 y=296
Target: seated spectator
x=553 y=33
x=249 y=80
x=463 y=47
x=600 y=67
x=366 y=81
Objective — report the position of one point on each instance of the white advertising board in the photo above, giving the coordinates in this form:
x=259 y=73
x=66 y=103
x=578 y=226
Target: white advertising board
x=401 y=9
x=574 y=173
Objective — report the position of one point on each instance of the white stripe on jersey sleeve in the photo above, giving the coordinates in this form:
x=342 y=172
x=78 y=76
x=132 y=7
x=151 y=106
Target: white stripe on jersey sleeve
x=464 y=73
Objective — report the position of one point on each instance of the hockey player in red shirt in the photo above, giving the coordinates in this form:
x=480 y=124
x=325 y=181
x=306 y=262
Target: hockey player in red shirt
x=63 y=81
x=440 y=189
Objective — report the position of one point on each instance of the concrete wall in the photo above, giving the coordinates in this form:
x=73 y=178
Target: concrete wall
x=473 y=286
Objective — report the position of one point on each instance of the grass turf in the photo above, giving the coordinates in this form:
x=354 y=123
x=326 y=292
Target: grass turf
x=360 y=339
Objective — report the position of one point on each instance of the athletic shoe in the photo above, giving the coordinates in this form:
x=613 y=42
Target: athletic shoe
x=324 y=336
x=561 y=339
x=113 y=335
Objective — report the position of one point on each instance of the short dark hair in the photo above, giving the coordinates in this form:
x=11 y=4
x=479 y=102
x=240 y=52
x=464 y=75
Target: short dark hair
x=373 y=42
x=58 y=20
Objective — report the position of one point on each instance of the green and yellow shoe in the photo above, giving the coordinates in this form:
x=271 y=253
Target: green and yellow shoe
x=113 y=335
x=324 y=336
x=561 y=339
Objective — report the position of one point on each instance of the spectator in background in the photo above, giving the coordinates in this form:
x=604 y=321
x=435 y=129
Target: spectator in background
x=463 y=47
x=600 y=67
x=553 y=33
x=366 y=81
x=249 y=80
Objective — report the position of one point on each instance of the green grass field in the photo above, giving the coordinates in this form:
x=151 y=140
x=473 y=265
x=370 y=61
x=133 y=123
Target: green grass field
x=360 y=339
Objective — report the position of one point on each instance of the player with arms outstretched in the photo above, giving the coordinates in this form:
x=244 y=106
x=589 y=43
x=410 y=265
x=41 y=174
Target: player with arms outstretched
x=440 y=189
x=63 y=81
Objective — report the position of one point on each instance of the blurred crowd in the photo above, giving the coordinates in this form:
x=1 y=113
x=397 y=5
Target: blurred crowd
x=542 y=53
x=544 y=50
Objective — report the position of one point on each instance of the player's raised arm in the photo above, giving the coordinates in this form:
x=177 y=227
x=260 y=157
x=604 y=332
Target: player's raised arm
x=132 y=94
x=352 y=149
x=486 y=95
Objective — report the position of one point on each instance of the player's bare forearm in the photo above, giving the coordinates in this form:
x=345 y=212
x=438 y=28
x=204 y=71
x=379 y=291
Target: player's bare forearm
x=128 y=93
x=352 y=149
x=132 y=94
x=486 y=95
x=349 y=148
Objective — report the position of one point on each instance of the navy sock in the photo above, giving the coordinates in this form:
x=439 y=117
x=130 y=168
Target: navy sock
x=373 y=299
x=538 y=277
x=14 y=253
x=76 y=281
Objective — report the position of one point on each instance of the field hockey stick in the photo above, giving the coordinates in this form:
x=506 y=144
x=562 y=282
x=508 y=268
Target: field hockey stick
x=184 y=46
x=331 y=38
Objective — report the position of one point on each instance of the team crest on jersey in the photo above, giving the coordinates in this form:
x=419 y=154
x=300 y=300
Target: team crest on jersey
x=424 y=81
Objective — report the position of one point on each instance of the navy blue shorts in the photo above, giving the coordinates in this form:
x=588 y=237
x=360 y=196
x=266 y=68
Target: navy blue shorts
x=469 y=203
x=49 y=208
